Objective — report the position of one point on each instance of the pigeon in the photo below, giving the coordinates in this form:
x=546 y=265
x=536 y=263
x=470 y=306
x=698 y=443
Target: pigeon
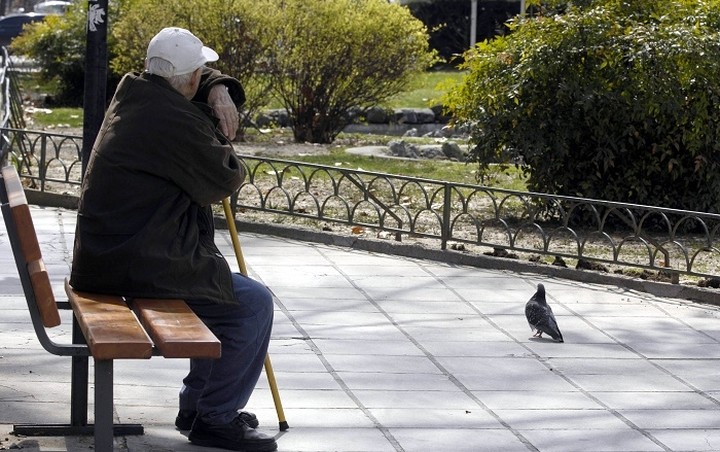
x=540 y=316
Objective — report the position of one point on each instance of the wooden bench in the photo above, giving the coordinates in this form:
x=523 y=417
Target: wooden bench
x=105 y=327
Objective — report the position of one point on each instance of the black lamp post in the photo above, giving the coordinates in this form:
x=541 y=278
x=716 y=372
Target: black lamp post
x=96 y=61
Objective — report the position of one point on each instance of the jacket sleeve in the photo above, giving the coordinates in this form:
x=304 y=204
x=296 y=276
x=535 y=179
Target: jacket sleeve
x=212 y=77
x=207 y=170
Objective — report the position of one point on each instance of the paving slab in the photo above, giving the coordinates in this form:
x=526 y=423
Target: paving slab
x=374 y=352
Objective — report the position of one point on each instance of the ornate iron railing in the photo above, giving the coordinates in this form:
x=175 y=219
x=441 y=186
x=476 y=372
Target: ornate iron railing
x=11 y=110
x=449 y=214
x=49 y=161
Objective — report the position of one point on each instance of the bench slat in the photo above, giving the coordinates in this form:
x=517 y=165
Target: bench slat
x=23 y=233
x=26 y=233
x=44 y=297
x=110 y=328
x=175 y=329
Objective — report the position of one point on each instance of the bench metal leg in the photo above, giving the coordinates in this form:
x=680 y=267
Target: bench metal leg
x=104 y=405
x=79 y=407
x=78 y=381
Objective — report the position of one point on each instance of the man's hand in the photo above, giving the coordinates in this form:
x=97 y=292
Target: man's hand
x=225 y=110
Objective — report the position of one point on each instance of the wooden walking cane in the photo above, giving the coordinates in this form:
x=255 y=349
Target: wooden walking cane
x=243 y=269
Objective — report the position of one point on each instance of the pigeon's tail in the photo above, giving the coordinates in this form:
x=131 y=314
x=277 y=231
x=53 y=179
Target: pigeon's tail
x=553 y=330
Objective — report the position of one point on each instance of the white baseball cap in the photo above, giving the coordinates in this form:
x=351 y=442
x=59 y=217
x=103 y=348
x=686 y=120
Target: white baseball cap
x=181 y=48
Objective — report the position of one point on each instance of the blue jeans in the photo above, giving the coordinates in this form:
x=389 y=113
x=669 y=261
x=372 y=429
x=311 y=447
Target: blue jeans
x=217 y=388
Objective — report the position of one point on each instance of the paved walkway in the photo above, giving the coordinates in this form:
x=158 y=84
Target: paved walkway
x=379 y=353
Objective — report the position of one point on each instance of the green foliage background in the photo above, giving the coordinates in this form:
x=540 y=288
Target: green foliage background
x=235 y=29
x=58 y=45
x=320 y=58
x=616 y=100
x=331 y=56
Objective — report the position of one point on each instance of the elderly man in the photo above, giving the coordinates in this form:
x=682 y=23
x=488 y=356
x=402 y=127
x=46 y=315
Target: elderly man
x=145 y=226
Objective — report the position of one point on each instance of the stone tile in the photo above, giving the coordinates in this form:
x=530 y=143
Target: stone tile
x=663 y=329
x=352 y=303
x=290 y=279
x=510 y=374
x=296 y=362
x=416 y=399
x=558 y=419
x=416 y=294
x=344 y=257
x=441 y=321
x=417 y=284
x=385 y=364
x=540 y=400
x=506 y=368
x=585 y=350
x=440 y=348
x=491 y=294
x=427 y=307
x=55 y=444
x=514 y=308
x=707 y=440
x=397 y=381
x=481 y=275
x=646 y=400
x=586 y=439
x=287 y=380
x=34 y=412
x=602 y=366
x=628 y=383
x=701 y=373
x=370 y=332
x=575 y=331
x=323 y=299
x=340 y=318
x=365 y=347
x=457 y=440
x=513 y=382
x=408 y=269
x=458 y=334
x=679 y=350
x=303 y=399
x=671 y=418
x=337 y=439
x=432 y=418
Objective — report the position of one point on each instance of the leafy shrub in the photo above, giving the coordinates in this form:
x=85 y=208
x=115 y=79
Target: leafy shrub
x=236 y=29
x=321 y=58
x=332 y=56
x=618 y=100
x=58 y=45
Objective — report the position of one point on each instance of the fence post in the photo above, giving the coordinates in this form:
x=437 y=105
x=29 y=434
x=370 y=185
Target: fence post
x=445 y=226
x=42 y=170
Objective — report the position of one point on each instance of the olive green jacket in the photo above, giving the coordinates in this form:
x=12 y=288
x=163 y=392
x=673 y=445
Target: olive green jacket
x=144 y=226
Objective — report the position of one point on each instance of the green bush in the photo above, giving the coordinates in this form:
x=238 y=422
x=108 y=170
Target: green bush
x=236 y=29
x=331 y=56
x=320 y=58
x=58 y=45
x=618 y=100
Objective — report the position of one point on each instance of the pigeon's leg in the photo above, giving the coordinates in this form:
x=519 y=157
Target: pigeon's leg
x=538 y=334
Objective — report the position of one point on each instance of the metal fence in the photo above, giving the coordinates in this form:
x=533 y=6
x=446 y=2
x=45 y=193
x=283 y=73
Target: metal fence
x=448 y=214
x=11 y=114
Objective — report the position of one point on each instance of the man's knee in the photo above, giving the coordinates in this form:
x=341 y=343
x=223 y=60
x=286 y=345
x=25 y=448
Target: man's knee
x=253 y=294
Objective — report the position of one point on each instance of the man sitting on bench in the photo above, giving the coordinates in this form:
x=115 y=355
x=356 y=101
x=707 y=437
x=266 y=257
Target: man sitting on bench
x=145 y=226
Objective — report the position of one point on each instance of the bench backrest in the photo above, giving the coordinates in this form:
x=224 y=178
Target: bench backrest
x=109 y=326
x=21 y=231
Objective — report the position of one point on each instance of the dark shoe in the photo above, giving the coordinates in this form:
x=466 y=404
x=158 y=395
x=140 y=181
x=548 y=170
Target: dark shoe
x=236 y=435
x=185 y=418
